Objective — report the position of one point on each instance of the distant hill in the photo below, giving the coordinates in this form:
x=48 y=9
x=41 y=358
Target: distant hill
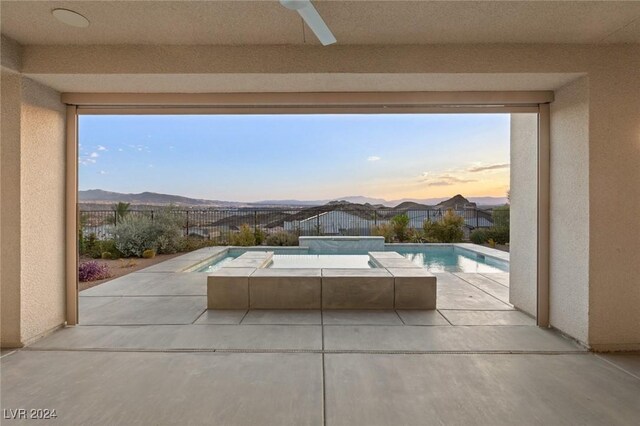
x=100 y=197
x=481 y=201
x=456 y=202
x=410 y=205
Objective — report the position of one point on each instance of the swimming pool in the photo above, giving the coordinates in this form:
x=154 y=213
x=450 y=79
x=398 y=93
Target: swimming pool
x=435 y=258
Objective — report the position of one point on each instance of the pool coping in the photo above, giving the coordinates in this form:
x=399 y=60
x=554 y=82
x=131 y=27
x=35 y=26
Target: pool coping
x=474 y=248
x=190 y=262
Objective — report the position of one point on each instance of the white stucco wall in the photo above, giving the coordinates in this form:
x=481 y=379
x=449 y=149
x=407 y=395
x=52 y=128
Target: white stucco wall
x=611 y=137
x=614 y=204
x=523 y=221
x=42 y=198
x=569 y=210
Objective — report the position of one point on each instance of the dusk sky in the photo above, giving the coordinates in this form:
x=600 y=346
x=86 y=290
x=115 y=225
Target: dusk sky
x=305 y=157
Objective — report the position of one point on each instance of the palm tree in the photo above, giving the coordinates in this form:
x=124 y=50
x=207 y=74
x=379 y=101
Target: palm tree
x=121 y=210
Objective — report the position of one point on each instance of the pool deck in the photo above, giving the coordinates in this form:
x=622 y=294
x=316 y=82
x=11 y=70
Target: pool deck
x=149 y=352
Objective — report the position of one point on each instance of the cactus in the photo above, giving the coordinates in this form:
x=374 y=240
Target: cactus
x=149 y=254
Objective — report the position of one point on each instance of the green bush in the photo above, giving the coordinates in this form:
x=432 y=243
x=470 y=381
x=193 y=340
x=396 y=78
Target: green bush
x=400 y=225
x=135 y=234
x=192 y=243
x=282 y=239
x=479 y=236
x=245 y=237
x=384 y=230
x=259 y=236
x=107 y=256
x=501 y=216
x=92 y=247
x=416 y=236
x=499 y=235
x=448 y=230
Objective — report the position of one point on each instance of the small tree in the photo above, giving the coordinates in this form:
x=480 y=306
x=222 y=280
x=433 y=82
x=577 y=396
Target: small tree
x=400 y=224
x=121 y=210
x=449 y=230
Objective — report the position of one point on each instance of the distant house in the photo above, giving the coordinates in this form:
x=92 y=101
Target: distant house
x=334 y=222
x=199 y=232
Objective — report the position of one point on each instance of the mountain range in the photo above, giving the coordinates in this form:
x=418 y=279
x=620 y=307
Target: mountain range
x=99 y=196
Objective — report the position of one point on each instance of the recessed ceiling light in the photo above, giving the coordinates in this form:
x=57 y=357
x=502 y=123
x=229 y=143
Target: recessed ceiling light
x=70 y=17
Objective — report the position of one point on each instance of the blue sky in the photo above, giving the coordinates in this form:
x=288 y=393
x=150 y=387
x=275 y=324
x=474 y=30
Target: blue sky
x=260 y=157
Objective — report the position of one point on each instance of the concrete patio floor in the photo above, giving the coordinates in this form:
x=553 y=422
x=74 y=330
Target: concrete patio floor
x=148 y=352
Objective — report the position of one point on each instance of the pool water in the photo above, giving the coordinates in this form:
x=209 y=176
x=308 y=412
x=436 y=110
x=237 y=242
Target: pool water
x=452 y=259
x=443 y=258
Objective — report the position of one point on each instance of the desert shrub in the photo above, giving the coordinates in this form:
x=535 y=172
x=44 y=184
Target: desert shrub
x=135 y=234
x=384 y=230
x=448 y=230
x=400 y=225
x=93 y=271
x=191 y=243
x=99 y=249
x=168 y=230
x=109 y=246
x=245 y=237
x=499 y=235
x=107 y=256
x=479 y=236
x=282 y=239
x=415 y=236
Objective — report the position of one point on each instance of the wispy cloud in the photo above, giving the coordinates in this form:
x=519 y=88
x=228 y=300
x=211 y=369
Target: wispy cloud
x=443 y=179
x=440 y=183
x=85 y=161
x=94 y=155
x=139 y=148
x=373 y=158
x=102 y=172
x=476 y=169
x=102 y=148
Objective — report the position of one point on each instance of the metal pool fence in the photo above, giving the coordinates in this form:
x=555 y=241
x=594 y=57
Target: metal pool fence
x=218 y=224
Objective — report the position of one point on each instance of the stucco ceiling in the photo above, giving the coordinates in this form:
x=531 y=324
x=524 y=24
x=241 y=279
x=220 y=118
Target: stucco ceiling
x=340 y=82
x=353 y=22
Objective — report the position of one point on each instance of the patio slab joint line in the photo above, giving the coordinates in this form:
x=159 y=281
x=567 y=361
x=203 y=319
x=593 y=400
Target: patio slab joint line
x=198 y=317
x=619 y=367
x=486 y=292
x=310 y=351
x=488 y=277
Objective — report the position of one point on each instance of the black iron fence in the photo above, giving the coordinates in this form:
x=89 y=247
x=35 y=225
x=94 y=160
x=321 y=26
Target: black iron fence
x=218 y=224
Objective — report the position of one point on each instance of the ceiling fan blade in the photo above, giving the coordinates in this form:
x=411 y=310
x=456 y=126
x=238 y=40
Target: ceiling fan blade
x=312 y=18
